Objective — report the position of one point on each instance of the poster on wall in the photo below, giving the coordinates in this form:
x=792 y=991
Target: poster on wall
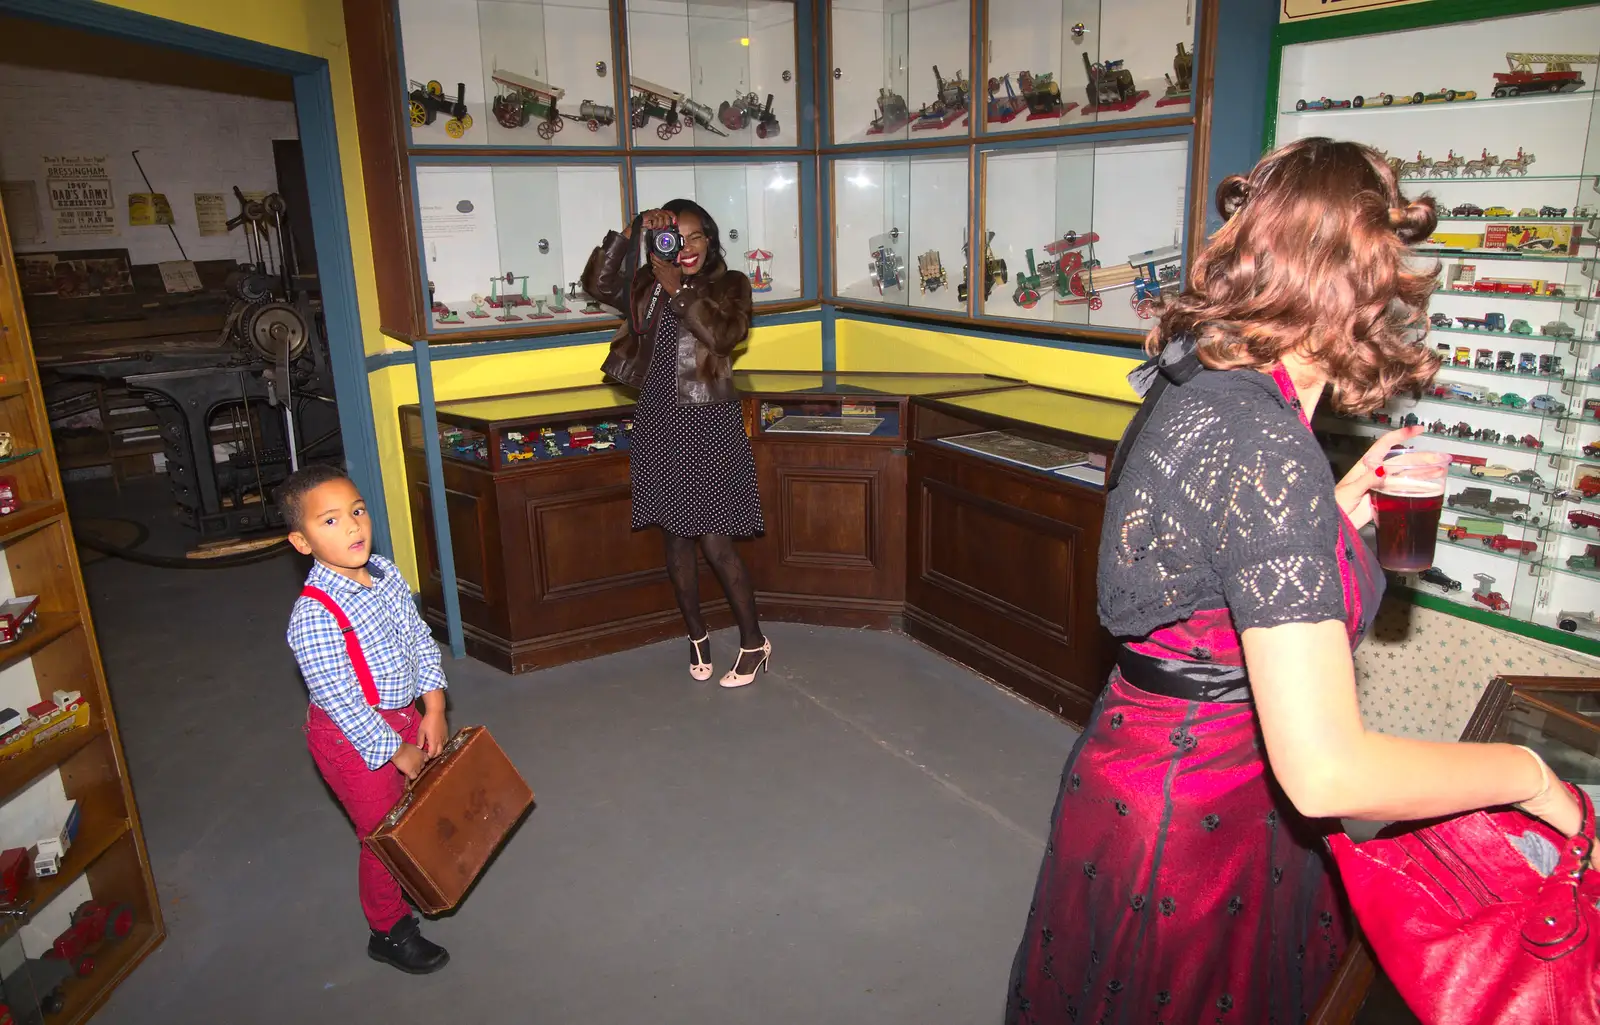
x=211 y=210
x=21 y=200
x=1299 y=10
x=147 y=208
x=80 y=196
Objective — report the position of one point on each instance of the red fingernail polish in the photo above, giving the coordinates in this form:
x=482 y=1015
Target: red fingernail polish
x=1378 y=471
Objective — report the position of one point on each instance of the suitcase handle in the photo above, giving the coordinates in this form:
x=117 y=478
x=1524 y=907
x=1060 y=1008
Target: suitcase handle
x=451 y=746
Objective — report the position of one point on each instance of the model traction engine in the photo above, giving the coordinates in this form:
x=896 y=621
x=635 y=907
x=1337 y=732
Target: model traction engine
x=427 y=102
x=747 y=108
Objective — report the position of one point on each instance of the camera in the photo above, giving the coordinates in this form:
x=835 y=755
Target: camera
x=666 y=243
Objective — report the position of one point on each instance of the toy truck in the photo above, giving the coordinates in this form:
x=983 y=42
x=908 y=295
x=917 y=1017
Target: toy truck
x=17 y=614
x=1487 y=322
x=1557 y=76
x=1502 y=543
x=1571 y=621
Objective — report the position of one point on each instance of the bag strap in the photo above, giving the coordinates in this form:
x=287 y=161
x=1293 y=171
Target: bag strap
x=352 y=646
x=1555 y=924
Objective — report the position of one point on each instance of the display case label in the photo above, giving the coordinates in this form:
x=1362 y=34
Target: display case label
x=1299 y=10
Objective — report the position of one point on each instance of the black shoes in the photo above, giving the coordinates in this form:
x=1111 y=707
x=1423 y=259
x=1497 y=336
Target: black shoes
x=404 y=948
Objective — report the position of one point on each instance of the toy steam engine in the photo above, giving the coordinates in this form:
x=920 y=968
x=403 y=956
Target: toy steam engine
x=747 y=108
x=1111 y=86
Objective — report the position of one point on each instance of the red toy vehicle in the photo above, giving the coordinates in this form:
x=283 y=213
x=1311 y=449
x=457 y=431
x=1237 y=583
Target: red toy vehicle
x=1462 y=460
x=16 y=868
x=1590 y=486
x=1579 y=520
x=1501 y=543
x=1462 y=534
x=1556 y=77
x=581 y=438
x=93 y=922
x=9 y=503
x=1529 y=441
x=1494 y=599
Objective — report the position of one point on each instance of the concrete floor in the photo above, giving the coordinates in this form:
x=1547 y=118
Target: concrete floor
x=852 y=839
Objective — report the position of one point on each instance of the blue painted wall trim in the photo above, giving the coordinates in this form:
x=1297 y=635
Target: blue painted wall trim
x=437 y=497
x=325 y=184
x=830 y=339
x=1239 y=90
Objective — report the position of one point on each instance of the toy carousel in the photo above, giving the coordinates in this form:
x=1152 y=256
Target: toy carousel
x=760 y=279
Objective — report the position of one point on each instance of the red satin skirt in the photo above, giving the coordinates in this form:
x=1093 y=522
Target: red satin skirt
x=1179 y=885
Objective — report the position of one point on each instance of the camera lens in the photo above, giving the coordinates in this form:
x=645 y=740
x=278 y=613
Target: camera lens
x=666 y=243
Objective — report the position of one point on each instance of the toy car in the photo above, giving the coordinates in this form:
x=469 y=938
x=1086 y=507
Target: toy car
x=1548 y=405
x=9 y=502
x=1571 y=620
x=1512 y=400
x=1439 y=320
x=1527 y=211
x=1584 y=561
x=1450 y=95
x=1527 y=363
x=1467 y=210
x=1592 y=450
x=1527 y=477
x=1440 y=579
x=1463 y=357
x=1588 y=486
x=1383 y=99
x=1550 y=366
x=1410 y=420
x=1552 y=211
x=1494 y=471
x=1580 y=520
x=1501 y=543
x=1520 y=327
x=1557 y=329
x=1321 y=104
x=1505 y=361
x=1493 y=599
x=1529 y=441
x=1497 y=211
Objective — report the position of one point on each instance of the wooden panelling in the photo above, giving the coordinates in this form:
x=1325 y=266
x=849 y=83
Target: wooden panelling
x=1001 y=575
x=584 y=542
x=828 y=519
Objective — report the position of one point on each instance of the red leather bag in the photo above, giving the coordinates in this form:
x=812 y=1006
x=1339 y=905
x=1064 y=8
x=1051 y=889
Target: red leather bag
x=1482 y=919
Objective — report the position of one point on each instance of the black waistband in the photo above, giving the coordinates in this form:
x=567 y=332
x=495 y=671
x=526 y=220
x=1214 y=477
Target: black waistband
x=1185 y=681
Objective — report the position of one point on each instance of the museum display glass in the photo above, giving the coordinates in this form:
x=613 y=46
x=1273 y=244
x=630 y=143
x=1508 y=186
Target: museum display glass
x=712 y=74
x=757 y=210
x=509 y=73
x=898 y=70
x=1062 y=243
x=1496 y=119
x=1074 y=62
x=504 y=244
x=899 y=229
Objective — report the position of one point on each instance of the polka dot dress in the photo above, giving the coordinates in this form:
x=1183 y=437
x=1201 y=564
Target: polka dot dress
x=691 y=466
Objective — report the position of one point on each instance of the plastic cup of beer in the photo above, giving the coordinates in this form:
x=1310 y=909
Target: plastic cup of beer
x=1406 y=504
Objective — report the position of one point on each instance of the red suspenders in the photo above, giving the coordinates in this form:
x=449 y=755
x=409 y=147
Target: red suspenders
x=352 y=646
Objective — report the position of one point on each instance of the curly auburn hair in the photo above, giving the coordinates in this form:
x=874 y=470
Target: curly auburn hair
x=1313 y=260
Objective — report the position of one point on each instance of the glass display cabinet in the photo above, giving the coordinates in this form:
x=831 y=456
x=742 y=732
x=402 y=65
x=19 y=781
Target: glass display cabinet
x=757 y=210
x=1060 y=435
x=1557 y=716
x=508 y=432
x=1497 y=120
x=504 y=245
x=509 y=72
x=1063 y=243
x=1072 y=62
x=720 y=73
x=899 y=231
x=900 y=69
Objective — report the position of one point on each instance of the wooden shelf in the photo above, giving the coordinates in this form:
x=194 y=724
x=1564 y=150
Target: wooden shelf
x=112 y=963
x=18 y=772
x=30 y=517
x=48 y=627
x=102 y=824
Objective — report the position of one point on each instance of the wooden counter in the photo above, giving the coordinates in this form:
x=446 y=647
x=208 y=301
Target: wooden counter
x=874 y=518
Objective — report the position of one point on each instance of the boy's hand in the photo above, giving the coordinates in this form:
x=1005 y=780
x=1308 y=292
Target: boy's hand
x=408 y=759
x=433 y=732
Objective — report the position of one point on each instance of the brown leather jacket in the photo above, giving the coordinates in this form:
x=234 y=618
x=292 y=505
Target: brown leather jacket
x=713 y=309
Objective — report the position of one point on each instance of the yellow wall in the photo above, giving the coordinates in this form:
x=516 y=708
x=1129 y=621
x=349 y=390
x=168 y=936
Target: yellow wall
x=860 y=345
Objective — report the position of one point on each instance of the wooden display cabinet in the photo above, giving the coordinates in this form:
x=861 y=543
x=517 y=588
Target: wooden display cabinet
x=59 y=652
x=1002 y=555
x=1557 y=716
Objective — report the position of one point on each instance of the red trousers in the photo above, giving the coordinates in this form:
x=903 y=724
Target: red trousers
x=367 y=795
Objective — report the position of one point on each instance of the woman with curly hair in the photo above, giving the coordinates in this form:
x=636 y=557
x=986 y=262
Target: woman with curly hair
x=1185 y=878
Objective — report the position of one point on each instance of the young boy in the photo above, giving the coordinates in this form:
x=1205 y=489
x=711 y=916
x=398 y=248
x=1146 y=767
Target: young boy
x=362 y=727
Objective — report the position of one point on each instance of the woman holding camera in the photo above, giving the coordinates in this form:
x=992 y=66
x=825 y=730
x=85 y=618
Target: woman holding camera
x=684 y=310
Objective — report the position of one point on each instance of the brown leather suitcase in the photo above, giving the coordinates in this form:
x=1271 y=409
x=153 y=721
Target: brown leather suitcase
x=451 y=820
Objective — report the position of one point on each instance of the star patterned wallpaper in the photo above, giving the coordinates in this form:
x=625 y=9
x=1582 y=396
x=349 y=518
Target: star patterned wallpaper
x=1421 y=672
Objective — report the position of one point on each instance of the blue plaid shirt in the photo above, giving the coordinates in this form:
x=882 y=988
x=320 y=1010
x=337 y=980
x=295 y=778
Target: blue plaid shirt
x=399 y=648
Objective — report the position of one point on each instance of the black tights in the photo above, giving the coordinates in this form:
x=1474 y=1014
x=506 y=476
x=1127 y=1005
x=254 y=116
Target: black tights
x=731 y=573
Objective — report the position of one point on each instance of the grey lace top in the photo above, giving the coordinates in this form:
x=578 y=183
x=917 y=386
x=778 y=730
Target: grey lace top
x=1225 y=500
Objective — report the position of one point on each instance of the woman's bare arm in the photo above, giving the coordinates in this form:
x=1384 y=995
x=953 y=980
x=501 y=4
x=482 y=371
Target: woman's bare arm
x=1331 y=766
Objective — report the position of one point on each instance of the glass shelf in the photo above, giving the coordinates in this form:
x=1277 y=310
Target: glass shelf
x=1445 y=216
x=1502 y=334
x=1372 y=106
x=757 y=210
x=1531 y=559
x=900 y=70
x=1490 y=254
x=509 y=72
x=1042 y=54
x=505 y=244
x=707 y=73
x=1506 y=180
x=1511 y=297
